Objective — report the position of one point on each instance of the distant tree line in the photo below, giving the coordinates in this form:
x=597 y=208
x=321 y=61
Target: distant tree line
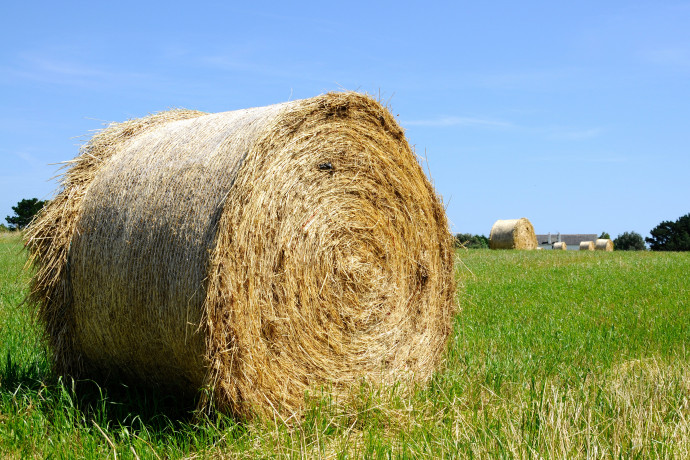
x=469 y=241
x=667 y=236
x=629 y=241
x=671 y=236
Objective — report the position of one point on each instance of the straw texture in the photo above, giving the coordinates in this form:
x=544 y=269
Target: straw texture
x=257 y=254
x=586 y=245
x=512 y=234
x=603 y=244
x=560 y=246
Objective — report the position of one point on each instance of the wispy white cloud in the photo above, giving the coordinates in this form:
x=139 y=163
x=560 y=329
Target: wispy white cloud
x=544 y=79
x=549 y=132
x=22 y=157
x=69 y=69
x=254 y=65
x=227 y=62
x=586 y=158
x=672 y=56
x=458 y=121
x=29 y=158
x=69 y=72
x=571 y=134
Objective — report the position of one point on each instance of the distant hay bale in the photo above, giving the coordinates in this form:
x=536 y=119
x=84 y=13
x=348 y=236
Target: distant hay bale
x=586 y=245
x=256 y=254
x=604 y=244
x=560 y=246
x=512 y=234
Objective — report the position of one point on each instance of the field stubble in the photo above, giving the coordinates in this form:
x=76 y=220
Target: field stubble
x=555 y=354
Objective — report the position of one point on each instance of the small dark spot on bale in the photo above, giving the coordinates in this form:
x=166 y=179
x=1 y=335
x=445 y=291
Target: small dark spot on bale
x=423 y=277
x=338 y=111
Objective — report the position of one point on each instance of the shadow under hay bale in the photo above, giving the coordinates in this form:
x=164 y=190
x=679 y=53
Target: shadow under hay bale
x=586 y=245
x=215 y=251
x=603 y=244
x=513 y=234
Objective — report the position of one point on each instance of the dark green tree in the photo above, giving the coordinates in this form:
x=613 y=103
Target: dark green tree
x=469 y=241
x=671 y=236
x=24 y=212
x=661 y=236
x=629 y=241
x=605 y=236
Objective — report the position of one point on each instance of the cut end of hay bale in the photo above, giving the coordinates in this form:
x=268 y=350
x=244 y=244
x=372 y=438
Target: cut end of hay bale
x=560 y=246
x=513 y=234
x=257 y=254
x=586 y=245
x=603 y=244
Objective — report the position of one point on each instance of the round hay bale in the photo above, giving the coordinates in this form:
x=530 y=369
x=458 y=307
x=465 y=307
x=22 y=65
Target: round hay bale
x=586 y=245
x=603 y=244
x=560 y=246
x=255 y=254
x=513 y=234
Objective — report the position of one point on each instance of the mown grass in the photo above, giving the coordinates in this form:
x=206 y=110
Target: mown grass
x=555 y=354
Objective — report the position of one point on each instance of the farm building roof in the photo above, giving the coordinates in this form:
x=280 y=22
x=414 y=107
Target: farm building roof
x=569 y=239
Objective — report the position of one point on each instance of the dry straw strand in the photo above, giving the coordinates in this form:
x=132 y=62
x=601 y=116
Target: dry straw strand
x=586 y=245
x=513 y=234
x=256 y=254
x=603 y=244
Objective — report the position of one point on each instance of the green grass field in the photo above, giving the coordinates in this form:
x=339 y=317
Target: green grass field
x=555 y=354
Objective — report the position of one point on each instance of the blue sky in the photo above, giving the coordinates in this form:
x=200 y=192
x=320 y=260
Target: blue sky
x=575 y=115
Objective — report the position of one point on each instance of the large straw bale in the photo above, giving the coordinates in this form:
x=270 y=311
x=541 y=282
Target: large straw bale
x=560 y=246
x=255 y=254
x=586 y=245
x=603 y=244
x=513 y=234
